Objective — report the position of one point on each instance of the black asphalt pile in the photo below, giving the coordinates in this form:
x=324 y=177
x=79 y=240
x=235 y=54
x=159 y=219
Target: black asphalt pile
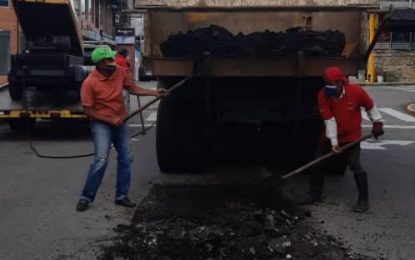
x=200 y=223
x=219 y=42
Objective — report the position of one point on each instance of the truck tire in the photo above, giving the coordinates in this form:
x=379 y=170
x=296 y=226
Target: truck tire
x=167 y=143
x=180 y=138
x=16 y=92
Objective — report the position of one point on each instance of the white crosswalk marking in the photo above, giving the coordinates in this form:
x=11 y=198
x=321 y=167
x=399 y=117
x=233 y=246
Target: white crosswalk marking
x=393 y=113
x=406 y=89
x=379 y=145
x=397 y=114
x=392 y=126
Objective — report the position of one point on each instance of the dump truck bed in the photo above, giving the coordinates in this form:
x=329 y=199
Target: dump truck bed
x=163 y=22
x=49 y=17
x=245 y=67
x=250 y=3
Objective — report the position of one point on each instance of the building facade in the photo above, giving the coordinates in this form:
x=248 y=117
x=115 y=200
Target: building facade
x=9 y=37
x=395 y=50
x=98 y=18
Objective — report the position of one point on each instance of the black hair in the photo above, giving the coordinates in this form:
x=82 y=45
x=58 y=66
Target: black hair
x=123 y=52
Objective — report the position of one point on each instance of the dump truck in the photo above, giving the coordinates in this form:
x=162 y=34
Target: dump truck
x=45 y=77
x=259 y=109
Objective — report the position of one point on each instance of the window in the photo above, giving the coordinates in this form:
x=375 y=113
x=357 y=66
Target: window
x=75 y=4
x=4 y=3
x=4 y=52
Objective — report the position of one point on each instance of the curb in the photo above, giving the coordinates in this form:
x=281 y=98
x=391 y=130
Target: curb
x=411 y=107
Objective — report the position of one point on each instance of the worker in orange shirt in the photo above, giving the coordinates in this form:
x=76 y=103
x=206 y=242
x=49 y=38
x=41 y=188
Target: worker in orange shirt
x=102 y=100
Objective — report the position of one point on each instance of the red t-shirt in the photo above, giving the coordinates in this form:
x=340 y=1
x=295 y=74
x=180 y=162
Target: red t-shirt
x=105 y=94
x=346 y=111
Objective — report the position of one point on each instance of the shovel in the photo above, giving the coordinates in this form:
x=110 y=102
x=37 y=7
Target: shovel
x=316 y=161
x=154 y=100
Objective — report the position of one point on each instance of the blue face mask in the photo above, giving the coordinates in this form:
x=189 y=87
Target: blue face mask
x=330 y=90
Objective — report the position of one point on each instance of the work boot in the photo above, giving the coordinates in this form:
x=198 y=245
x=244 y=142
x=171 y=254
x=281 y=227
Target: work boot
x=82 y=205
x=126 y=202
x=362 y=187
x=362 y=206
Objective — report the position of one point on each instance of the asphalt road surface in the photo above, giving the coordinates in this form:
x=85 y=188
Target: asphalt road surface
x=38 y=196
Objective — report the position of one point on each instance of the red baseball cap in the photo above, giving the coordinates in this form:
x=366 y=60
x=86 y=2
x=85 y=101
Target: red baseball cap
x=334 y=74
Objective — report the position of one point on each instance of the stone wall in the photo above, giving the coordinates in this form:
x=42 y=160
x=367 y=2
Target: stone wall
x=395 y=66
x=226 y=3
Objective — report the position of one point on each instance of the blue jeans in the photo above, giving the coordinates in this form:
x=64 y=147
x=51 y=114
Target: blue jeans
x=103 y=135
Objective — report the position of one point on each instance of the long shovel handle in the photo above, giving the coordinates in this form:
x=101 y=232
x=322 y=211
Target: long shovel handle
x=145 y=106
x=324 y=157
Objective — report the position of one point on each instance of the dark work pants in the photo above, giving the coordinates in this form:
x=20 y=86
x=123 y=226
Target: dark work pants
x=352 y=155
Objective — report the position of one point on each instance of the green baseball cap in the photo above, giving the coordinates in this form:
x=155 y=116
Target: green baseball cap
x=101 y=53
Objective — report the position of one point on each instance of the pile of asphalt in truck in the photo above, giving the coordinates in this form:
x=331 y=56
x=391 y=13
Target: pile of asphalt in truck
x=233 y=222
x=219 y=42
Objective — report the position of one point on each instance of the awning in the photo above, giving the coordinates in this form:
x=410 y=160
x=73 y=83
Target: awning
x=402 y=20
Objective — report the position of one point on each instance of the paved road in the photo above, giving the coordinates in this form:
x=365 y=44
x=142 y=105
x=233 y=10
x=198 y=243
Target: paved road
x=38 y=196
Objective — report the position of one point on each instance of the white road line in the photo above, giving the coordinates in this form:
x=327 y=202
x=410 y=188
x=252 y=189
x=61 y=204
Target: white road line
x=393 y=126
x=152 y=117
x=379 y=144
x=397 y=114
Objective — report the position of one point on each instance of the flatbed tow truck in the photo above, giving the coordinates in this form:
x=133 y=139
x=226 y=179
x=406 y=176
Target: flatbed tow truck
x=45 y=77
x=38 y=105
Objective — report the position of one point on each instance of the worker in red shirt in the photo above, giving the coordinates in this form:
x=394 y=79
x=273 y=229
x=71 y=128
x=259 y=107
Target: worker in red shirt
x=102 y=100
x=340 y=106
x=122 y=61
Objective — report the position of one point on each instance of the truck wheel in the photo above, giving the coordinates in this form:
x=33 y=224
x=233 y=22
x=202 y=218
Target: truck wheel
x=167 y=143
x=16 y=92
x=180 y=138
x=21 y=125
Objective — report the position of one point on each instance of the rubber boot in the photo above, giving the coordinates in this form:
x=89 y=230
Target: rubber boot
x=362 y=187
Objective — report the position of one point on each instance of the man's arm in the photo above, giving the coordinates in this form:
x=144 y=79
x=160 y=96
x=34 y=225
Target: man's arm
x=329 y=121
x=93 y=114
x=139 y=91
x=373 y=114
